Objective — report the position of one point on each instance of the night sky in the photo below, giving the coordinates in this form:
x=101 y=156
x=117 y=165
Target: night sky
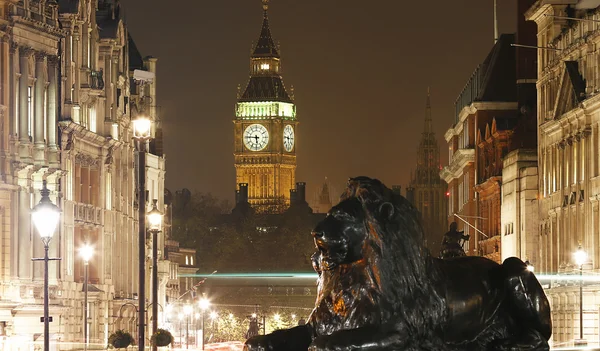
x=360 y=70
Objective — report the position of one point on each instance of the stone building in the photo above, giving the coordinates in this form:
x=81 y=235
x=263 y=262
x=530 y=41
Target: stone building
x=265 y=126
x=29 y=73
x=568 y=118
x=66 y=69
x=489 y=93
x=427 y=191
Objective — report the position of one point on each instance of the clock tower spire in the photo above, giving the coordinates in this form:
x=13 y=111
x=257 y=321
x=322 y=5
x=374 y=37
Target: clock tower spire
x=265 y=129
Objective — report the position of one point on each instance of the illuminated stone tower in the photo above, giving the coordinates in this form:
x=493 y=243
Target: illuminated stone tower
x=265 y=129
x=427 y=191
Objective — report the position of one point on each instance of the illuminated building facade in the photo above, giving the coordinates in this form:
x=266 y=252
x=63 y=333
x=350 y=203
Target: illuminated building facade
x=29 y=73
x=265 y=129
x=66 y=108
x=427 y=190
x=568 y=117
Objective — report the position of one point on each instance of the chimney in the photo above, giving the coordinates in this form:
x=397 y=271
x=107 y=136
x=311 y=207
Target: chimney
x=293 y=196
x=301 y=192
x=397 y=189
x=241 y=196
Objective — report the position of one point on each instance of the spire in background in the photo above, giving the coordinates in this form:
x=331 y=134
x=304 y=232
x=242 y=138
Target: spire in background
x=428 y=128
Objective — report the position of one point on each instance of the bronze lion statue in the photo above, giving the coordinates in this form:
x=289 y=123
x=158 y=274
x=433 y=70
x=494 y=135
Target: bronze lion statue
x=380 y=289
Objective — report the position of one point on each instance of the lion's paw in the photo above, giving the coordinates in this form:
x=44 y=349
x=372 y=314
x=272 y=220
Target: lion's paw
x=257 y=343
x=326 y=343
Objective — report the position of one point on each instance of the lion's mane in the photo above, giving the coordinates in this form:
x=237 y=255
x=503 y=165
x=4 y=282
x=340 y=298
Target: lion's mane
x=394 y=249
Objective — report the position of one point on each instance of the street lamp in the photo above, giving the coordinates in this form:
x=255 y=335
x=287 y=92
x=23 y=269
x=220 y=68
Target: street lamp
x=142 y=128
x=204 y=305
x=529 y=266
x=187 y=309
x=580 y=259
x=155 y=218
x=86 y=253
x=45 y=216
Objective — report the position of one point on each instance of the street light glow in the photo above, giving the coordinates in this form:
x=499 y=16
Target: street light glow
x=580 y=256
x=86 y=252
x=187 y=309
x=155 y=217
x=214 y=315
x=141 y=127
x=204 y=304
x=45 y=215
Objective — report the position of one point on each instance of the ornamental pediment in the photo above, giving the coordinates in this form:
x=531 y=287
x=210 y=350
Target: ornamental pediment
x=86 y=160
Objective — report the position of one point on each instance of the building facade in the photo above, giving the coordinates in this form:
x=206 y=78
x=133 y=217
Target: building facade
x=489 y=93
x=428 y=189
x=568 y=118
x=265 y=129
x=66 y=110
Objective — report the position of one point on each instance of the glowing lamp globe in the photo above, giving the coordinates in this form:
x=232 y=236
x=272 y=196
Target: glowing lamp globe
x=86 y=252
x=45 y=216
x=204 y=304
x=187 y=309
x=155 y=217
x=142 y=127
x=580 y=256
x=214 y=315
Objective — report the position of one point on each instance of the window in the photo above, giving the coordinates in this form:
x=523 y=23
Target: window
x=108 y=191
x=265 y=66
x=191 y=260
x=596 y=149
x=187 y=262
x=29 y=112
x=92 y=119
x=69 y=179
x=16 y=126
x=46 y=115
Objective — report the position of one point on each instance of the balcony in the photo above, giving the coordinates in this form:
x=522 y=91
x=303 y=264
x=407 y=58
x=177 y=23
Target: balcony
x=87 y=214
x=460 y=159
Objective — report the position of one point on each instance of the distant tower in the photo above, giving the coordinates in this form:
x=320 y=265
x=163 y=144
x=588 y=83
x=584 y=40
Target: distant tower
x=427 y=190
x=324 y=200
x=264 y=129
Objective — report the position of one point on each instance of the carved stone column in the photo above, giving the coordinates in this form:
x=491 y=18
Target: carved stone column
x=76 y=71
x=52 y=112
x=39 y=125
x=108 y=84
x=69 y=69
x=24 y=123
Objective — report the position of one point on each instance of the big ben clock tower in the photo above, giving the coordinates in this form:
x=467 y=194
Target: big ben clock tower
x=265 y=129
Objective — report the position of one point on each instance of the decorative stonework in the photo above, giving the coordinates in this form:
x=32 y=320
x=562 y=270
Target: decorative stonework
x=85 y=160
x=25 y=51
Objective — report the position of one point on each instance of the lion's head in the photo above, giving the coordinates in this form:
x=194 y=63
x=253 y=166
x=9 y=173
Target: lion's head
x=377 y=231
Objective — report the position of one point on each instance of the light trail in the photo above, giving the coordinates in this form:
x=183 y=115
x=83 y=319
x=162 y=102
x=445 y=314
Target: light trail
x=540 y=277
x=254 y=275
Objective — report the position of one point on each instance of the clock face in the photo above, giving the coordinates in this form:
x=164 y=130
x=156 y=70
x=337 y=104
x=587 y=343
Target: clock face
x=256 y=137
x=288 y=138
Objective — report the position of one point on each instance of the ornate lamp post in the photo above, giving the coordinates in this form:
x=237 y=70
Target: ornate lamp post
x=155 y=218
x=86 y=253
x=580 y=259
x=45 y=216
x=204 y=305
x=142 y=128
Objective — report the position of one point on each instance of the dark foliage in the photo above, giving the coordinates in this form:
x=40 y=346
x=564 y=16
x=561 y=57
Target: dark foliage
x=250 y=243
x=120 y=339
x=161 y=338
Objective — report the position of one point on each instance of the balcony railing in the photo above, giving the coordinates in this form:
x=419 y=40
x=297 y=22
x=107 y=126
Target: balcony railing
x=84 y=213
